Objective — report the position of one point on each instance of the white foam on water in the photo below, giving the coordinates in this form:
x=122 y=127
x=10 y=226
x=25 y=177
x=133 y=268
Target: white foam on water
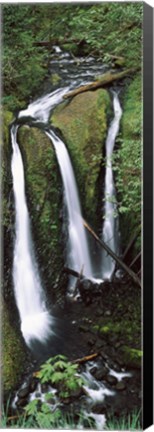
x=30 y=298
x=110 y=232
x=119 y=375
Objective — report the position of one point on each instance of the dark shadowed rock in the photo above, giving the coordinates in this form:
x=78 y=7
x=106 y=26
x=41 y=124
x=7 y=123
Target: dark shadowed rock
x=22 y=393
x=100 y=373
x=120 y=386
x=112 y=380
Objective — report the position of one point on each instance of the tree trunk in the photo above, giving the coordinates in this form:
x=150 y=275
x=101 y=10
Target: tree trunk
x=105 y=80
x=120 y=263
x=131 y=244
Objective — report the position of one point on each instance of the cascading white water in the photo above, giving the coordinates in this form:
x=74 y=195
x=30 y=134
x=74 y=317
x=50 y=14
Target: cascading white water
x=110 y=226
x=78 y=252
x=35 y=319
x=39 y=110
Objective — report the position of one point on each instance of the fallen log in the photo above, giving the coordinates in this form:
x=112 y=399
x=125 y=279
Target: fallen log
x=131 y=244
x=71 y=272
x=138 y=256
x=42 y=43
x=106 y=79
x=121 y=264
x=85 y=359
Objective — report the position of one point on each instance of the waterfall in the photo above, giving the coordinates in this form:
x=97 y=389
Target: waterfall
x=35 y=319
x=110 y=232
x=78 y=253
x=39 y=110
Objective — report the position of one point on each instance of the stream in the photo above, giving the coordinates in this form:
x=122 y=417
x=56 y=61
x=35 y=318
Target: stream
x=43 y=330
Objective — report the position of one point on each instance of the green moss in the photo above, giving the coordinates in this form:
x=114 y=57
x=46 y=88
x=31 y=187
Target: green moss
x=5 y=167
x=83 y=123
x=129 y=162
x=132 y=356
x=13 y=352
x=43 y=189
x=6 y=120
x=55 y=78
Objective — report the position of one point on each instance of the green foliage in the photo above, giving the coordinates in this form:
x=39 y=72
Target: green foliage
x=128 y=159
x=13 y=352
x=106 y=29
x=57 y=370
x=132 y=422
x=22 y=61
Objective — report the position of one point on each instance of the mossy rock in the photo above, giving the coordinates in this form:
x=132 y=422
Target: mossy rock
x=132 y=356
x=13 y=352
x=83 y=123
x=43 y=191
x=130 y=156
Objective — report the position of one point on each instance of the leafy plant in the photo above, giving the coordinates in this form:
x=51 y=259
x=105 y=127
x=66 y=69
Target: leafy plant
x=59 y=371
x=42 y=414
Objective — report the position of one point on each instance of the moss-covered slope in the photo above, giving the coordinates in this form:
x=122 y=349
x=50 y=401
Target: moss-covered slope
x=43 y=191
x=83 y=123
x=13 y=352
x=129 y=160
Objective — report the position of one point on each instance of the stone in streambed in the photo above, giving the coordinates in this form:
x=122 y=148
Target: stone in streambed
x=22 y=393
x=33 y=385
x=44 y=388
x=112 y=380
x=22 y=402
x=120 y=386
x=100 y=373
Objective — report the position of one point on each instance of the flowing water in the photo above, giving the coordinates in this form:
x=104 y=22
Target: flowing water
x=78 y=255
x=110 y=233
x=35 y=319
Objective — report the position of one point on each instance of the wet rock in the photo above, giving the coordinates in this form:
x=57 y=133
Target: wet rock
x=104 y=355
x=21 y=402
x=44 y=388
x=93 y=370
x=83 y=328
x=76 y=393
x=91 y=341
x=120 y=361
x=112 y=380
x=23 y=392
x=113 y=338
x=120 y=386
x=66 y=400
x=33 y=385
x=99 y=344
x=118 y=344
x=100 y=373
x=99 y=312
x=99 y=409
x=107 y=313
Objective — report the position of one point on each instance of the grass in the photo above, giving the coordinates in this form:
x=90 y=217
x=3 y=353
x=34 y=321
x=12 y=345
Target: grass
x=132 y=422
x=66 y=421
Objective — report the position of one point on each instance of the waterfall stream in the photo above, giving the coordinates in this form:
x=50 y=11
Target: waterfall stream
x=78 y=255
x=36 y=322
x=110 y=232
x=35 y=319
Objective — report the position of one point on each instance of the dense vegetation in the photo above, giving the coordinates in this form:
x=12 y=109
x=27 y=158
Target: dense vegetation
x=106 y=30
